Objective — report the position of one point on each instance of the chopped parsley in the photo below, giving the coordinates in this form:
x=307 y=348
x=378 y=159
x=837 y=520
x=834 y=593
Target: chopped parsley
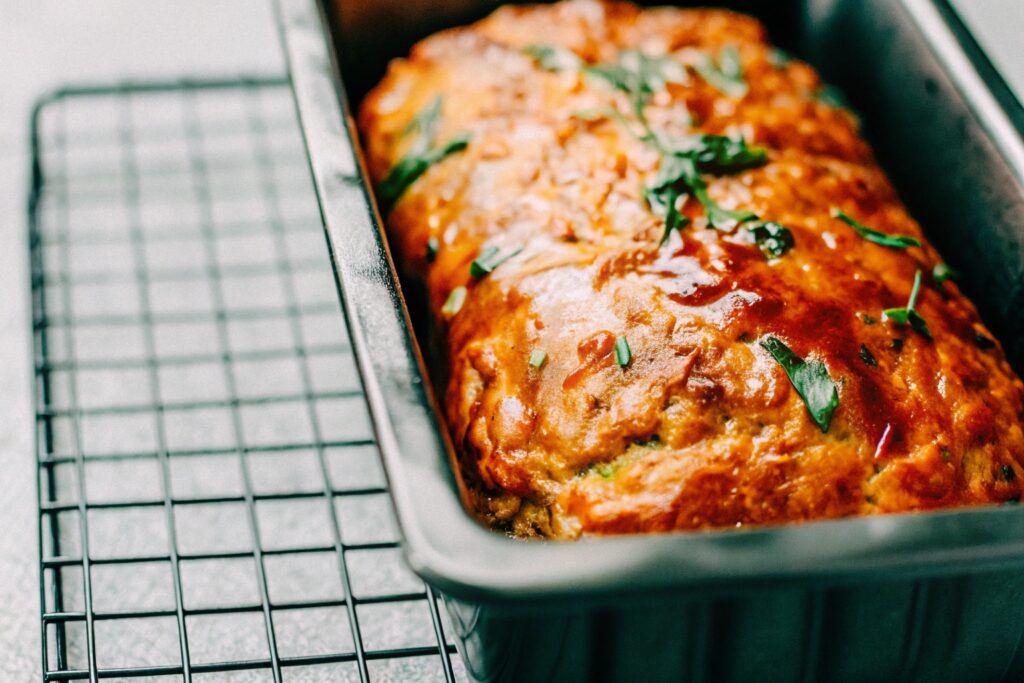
x=489 y=259
x=653 y=442
x=725 y=73
x=453 y=304
x=683 y=158
x=683 y=161
x=811 y=380
x=432 y=246
x=872 y=235
x=553 y=58
x=413 y=165
x=983 y=342
x=907 y=314
x=942 y=272
x=896 y=345
x=868 y=357
x=779 y=58
x=868 y=320
x=425 y=124
x=639 y=75
x=622 y=352
x=773 y=239
x=833 y=97
x=537 y=358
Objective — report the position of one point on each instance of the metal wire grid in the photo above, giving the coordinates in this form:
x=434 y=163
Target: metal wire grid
x=211 y=502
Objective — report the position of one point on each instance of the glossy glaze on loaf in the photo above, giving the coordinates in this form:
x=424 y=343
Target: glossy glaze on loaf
x=701 y=427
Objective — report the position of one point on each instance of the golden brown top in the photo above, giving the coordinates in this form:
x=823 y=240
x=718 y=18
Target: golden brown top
x=560 y=120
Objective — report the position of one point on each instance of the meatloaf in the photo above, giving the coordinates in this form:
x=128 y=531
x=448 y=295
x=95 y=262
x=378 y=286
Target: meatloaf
x=672 y=286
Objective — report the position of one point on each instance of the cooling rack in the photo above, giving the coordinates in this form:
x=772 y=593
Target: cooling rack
x=211 y=503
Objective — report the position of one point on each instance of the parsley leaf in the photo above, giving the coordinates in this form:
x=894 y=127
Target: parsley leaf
x=725 y=74
x=810 y=379
x=903 y=316
x=773 y=239
x=622 y=352
x=413 y=165
x=553 y=58
x=872 y=235
x=489 y=259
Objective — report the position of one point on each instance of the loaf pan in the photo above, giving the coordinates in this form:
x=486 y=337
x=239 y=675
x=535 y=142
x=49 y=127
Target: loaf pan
x=927 y=597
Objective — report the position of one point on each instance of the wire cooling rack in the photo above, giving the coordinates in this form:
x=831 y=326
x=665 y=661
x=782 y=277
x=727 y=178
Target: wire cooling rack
x=211 y=502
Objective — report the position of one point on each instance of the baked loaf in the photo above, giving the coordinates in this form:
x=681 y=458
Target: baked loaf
x=673 y=288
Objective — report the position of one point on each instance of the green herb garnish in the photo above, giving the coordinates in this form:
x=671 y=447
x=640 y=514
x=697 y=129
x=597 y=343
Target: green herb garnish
x=622 y=353
x=810 y=379
x=453 y=304
x=413 y=165
x=983 y=342
x=607 y=470
x=552 y=58
x=779 y=58
x=868 y=357
x=722 y=219
x=868 y=320
x=489 y=259
x=833 y=96
x=425 y=124
x=942 y=272
x=903 y=316
x=639 y=75
x=537 y=358
x=432 y=246
x=896 y=345
x=679 y=174
x=872 y=235
x=725 y=74
x=653 y=442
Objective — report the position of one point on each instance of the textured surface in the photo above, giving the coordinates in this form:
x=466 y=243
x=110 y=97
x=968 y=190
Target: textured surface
x=212 y=503
x=567 y=447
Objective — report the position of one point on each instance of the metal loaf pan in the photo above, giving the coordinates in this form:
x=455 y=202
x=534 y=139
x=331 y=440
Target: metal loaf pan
x=934 y=596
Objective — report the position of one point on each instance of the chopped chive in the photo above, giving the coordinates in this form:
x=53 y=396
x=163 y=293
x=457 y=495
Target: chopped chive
x=489 y=259
x=432 y=246
x=453 y=304
x=537 y=358
x=622 y=352
x=876 y=236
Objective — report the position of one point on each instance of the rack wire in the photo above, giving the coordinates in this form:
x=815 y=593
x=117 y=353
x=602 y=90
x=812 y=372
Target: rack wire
x=211 y=501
